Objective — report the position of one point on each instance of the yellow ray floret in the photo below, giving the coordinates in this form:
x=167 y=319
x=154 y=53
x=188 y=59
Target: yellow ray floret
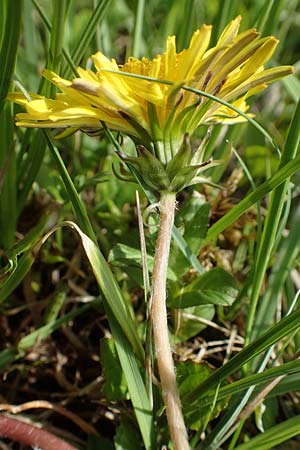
x=146 y=97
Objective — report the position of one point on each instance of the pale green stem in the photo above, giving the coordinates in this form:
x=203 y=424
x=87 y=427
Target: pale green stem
x=160 y=325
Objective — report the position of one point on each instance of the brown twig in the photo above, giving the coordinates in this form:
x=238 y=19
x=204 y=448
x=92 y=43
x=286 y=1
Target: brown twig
x=15 y=409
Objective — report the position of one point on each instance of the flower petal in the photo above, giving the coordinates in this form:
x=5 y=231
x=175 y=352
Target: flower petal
x=230 y=31
x=188 y=60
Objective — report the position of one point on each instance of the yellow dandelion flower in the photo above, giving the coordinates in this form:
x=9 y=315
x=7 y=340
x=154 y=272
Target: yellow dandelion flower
x=147 y=100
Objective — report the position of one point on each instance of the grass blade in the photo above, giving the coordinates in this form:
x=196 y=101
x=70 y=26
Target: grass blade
x=276 y=180
x=284 y=263
x=11 y=22
x=237 y=387
x=268 y=16
x=274 y=334
x=78 y=206
x=47 y=24
x=137 y=390
x=273 y=436
x=137 y=36
x=8 y=194
x=272 y=219
x=36 y=153
x=110 y=289
x=88 y=33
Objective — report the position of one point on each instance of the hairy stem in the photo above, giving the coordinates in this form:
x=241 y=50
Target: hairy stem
x=160 y=325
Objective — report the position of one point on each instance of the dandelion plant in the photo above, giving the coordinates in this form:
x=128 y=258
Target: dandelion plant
x=159 y=103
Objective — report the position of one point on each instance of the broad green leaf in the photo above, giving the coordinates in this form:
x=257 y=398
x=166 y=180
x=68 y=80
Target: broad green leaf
x=259 y=160
x=97 y=442
x=190 y=375
x=127 y=437
x=7 y=357
x=216 y=287
x=125 y=256
x=188 y=321
x=192 y=224
x=292 y=85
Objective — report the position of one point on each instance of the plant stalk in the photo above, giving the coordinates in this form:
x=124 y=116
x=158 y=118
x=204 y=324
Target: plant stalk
x=160 y=325
x=31 y=435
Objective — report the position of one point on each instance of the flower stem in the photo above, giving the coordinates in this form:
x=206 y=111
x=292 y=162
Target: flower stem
x=160 y=325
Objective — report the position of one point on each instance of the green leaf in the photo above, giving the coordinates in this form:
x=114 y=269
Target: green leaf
x=188 y=321
x=103 y=275
x=8 y=194
x=178 y=238
x=123 y=255
x=9 y=38
x=43 y=332
x=215 y=287
x=116 y=308
x=77 y=203
x=260 y=160
x=189 y=376
x=110 y=289
x=136 y=387
x=97 y=442
x=274 y=436
x=115 y=387
x=275 y=207
x=88 y=31
x=289 y=383
x=17 y=275
x=190 y=257
x=192 y=221
x=7 y=357
x=271 y=336
x=127 y=437
x=276 y=180
x=292 y=85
